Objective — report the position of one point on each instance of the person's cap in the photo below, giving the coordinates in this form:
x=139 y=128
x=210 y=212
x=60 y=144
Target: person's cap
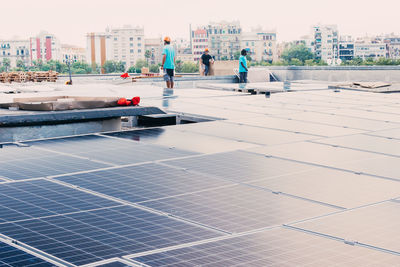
x=167 y=39
x=206 y=50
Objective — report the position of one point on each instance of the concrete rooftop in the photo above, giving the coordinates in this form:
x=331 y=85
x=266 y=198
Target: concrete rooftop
x=307 y=178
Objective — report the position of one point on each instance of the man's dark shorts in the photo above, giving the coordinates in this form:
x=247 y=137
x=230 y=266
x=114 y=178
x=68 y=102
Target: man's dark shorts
x=169 y=75
x=242 y=77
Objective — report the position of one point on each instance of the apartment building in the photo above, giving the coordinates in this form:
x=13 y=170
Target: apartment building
x=326 y=43
x=44 y=47
x=155 y=46
x=393 y=46
x=199 y=43
x=262 y=45
x=370 y=47
x=73 y=53
x=346 y=48
x=98 y=49
x=15 y=51
x=128 y=44
x=224 y=39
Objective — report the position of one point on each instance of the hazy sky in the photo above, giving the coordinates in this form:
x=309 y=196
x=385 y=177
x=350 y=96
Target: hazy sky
x=70 y=20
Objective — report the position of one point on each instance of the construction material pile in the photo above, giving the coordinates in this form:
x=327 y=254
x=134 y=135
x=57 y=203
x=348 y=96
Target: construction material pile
x=21 y=77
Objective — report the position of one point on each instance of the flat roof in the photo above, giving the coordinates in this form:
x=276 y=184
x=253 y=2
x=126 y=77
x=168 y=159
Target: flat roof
x=292 y=179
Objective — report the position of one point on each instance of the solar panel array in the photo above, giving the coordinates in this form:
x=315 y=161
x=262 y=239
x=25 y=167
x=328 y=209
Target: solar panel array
x=298 y=179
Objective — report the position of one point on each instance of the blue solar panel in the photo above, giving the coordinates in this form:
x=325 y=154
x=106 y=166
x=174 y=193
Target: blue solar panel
x=143 y=182
x=274 y=247
x=47 y=165
x=91 y=236
x=239 y=208
x=239 y=166
x=11 y=256
x=110 y=150
x=38 y=198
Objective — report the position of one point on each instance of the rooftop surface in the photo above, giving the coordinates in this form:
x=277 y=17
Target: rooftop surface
x=308 y=178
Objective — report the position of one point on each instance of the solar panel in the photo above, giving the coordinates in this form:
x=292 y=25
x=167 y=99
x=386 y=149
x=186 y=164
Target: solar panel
x=143 y=182
x=274 y=247
x=342 y=121
x=335 y=187
x=374 y=225
x=239 y=166
x=38 y=198
x=91 y=236
x=336 y=157
x=357 y=113
x=245 y=133
x=392 y=133
x=238 y=208
x=110 y=150
x=115 y=264
x=170 y=137
x=367 y=143
x=298 y=126
x=47 y=164
x=11 y=256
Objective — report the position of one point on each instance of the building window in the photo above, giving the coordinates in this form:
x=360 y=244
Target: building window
x=131 y=39
x=131 y=51
x=115 y=39
x=139 y=38
x=139 y=51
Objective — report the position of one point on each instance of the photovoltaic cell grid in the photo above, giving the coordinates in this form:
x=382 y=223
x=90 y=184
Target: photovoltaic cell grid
x=336 y=157
x=239 y=166
x=92 y=236
x=25 y=162
x=239 y=208
x=114 y=264
x=274 y=247
x=334 y=187
x=39 y=198
x=110 y=150
x=11 y=256
x=168 y=136
x=375 y=225
x=143 y=182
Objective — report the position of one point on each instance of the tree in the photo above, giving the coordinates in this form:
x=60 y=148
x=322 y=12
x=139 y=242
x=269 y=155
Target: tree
x=21 y=65
x=154 y=68
x=300 y=52
x=236 y=56
x=6 y=64
x=147 y=55
x=140 y=64
x=132 y=69
x=189 y=67
x=113 y=66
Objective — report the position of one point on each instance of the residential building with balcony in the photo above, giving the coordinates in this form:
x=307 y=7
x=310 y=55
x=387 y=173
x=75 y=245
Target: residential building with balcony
x=262 y=44
x=224 y=39
x=15 y=51
x=326 y=43
x=45 y=47
x=199 y=43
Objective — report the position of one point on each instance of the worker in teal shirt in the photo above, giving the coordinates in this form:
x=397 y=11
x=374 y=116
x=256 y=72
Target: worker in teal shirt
x=243 y=70
x=168 y=62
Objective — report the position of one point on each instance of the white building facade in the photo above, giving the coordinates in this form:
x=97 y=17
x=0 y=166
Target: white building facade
x=15 y=51
x=326 y=43
x=199 y=43
x=45 y=47
x=367 y=50
x=262 y=45
x=73 y=53
x=98 y=49
x=224 y=39
x=128 y=45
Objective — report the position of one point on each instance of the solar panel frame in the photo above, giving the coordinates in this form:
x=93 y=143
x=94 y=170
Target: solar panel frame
x=273 y=247
x=239 y=208
x=143 y=182
x=91 y=236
